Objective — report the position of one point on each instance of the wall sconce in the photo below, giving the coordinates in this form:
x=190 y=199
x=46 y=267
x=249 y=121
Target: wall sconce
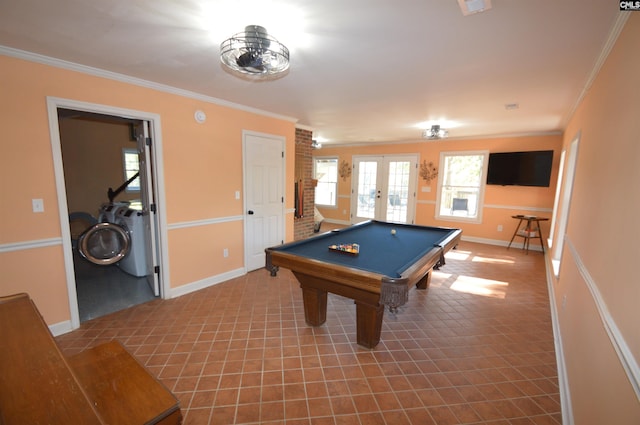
x=345 y=170
x=428 y=171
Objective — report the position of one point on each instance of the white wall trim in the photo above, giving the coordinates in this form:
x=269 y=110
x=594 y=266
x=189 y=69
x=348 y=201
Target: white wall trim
x=341 y=222
x=449 y=139
x=614 y=33
x=518 y=207
x=563 y=379
x=498 y=242
x=33 y=244
x=205 y=222
x=618 y=342
x=53 y=103
x=205 y=283
x=499 y=207
x=71 y=66
x=61 y=328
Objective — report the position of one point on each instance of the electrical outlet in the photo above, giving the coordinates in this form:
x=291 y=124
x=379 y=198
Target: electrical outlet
x=225 y=252
x=564 y=301
x=499 y=227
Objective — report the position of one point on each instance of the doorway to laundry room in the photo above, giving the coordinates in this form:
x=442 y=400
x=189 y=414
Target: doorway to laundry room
x=109 y=193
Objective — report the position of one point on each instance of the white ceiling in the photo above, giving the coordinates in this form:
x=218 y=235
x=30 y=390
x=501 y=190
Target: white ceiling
x=361 y=71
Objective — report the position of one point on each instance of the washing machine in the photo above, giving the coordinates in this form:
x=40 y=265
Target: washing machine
x=133 y=221
x=104 y=244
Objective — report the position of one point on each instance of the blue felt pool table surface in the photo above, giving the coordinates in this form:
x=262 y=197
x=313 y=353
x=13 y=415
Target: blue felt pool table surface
x=380 y=251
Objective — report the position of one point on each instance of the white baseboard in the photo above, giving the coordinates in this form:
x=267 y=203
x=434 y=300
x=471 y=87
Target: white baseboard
x=61 y=328
x=563 y=378
x=499 y=243
x=65 y=327
x=341 y=222
x=205 y=283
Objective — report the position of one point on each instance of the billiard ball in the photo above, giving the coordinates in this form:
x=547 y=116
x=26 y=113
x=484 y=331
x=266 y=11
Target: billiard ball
x=393 y=231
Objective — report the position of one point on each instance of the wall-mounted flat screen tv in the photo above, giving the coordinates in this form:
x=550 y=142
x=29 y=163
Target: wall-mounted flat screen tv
x=531 y=168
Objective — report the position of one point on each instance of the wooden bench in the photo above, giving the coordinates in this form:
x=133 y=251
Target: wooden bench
x=102 y=385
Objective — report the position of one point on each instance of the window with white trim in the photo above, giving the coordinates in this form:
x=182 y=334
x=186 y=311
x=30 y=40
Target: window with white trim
x=131 y=165
x=461 y=182
x=325 y=170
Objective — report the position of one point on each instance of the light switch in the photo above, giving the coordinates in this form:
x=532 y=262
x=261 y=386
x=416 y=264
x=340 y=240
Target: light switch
x=38 y=205
x=237 y=194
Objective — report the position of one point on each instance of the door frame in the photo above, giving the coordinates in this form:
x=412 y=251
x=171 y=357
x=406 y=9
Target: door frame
x=562 y=209
x=53 y=104
x=283 y=145
x=382 y=182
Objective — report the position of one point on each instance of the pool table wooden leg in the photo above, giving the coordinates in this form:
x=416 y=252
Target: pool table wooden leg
x=315 y=305
x=369 y=323
x=424 y=282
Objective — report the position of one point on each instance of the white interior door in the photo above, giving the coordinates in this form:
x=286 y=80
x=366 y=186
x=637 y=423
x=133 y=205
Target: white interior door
x=263 y=195
x=384 y=188
x=148 y=204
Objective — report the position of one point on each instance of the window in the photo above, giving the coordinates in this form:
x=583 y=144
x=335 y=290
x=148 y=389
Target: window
x=131 y=165
x=461 y=185
x=325 y=170
x=562 y=204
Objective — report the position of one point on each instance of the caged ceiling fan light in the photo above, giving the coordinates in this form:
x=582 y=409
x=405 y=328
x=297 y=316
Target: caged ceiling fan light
x=254 y=52
x=434 y=133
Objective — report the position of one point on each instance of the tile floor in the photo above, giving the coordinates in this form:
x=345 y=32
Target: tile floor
x=105 y=289
x=475 y=348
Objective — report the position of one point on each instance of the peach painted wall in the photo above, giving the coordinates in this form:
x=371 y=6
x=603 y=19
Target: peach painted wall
x=500 y=202
x=93 y=162
x=599 y=260
x=202 y=171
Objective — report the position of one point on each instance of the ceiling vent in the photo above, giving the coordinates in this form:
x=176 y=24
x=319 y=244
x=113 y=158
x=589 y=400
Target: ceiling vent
x=469 y=7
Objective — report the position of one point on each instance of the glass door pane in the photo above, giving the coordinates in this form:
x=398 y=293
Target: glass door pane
x=367 y=192
x=398 y=190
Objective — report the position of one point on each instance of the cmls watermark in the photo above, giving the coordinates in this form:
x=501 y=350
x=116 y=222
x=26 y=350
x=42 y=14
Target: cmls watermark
x=629 y=5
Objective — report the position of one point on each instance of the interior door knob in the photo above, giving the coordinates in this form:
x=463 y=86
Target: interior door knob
x=250 y=212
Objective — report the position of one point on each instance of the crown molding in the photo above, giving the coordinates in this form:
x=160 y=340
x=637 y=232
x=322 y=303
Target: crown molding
x=614 y=33
x=97 y=72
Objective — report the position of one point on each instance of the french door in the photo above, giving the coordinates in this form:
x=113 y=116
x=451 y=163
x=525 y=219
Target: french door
x=384 y=188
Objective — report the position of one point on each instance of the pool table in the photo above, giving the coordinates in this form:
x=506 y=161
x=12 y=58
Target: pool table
x=392 y=258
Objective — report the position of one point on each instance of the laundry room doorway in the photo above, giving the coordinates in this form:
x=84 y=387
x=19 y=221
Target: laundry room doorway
x=106 y=178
